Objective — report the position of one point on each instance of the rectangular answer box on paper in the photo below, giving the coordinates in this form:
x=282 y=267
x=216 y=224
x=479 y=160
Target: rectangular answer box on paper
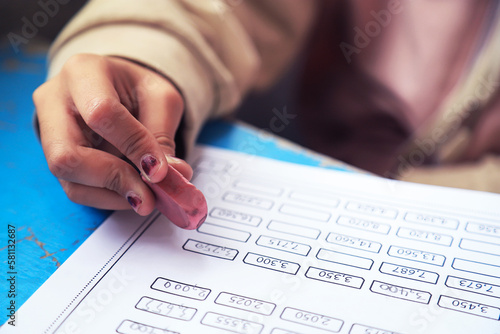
x=470 y=307
x=480 y=247
x=372 y=210
x=211 y=165
x=416 y=255
x=257 y=187
x=304 y=212
x=409 y=272
x=483 y=229
x=425 y=236
x=345 y=259
x=476 y=267
x=180 y=289
x=335 y=277
x=353 y=242
x=245 y=303
x=363 y=224
x=311 y=319
x=323 y=200
x=133 y=327
x=232 y=324
x=283 y=245
x=283 y=331
x=224 y=232
x=204 y=248
x=432 y=220
x=235 y=216
x=292 y=229
x=400 y=292
x=362 y=329
x=166 y=309
x=271 y=263
x=466 y=284
x=248 y=200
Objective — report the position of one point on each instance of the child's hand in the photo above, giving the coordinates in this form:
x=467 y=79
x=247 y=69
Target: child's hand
x=99 y=109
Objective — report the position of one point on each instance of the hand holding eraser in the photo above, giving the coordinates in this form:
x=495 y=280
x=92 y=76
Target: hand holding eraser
x=179 y=200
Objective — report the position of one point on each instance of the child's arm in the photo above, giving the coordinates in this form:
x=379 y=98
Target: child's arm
x=99 y=105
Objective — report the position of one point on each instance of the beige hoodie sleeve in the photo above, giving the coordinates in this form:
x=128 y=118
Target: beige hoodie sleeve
x=213 y=50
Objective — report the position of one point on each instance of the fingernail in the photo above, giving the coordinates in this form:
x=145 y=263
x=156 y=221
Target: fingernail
x=134 y=201
x=149 y=165
x=172 y=159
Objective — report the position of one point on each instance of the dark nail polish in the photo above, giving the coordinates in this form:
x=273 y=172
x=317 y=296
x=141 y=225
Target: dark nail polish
x=134 y=201
x=148 y=164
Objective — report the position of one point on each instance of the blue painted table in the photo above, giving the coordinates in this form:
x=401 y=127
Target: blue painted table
x=48 y=227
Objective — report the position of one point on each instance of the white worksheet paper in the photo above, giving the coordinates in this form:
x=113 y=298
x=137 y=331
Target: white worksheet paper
x=285 y=249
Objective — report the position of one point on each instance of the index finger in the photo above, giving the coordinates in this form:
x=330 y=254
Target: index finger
x=96 y=98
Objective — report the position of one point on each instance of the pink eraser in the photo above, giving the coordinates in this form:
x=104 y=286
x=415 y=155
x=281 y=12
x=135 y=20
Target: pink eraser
x=179 y=200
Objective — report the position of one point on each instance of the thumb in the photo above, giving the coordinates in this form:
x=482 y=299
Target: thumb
x=181 y=166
